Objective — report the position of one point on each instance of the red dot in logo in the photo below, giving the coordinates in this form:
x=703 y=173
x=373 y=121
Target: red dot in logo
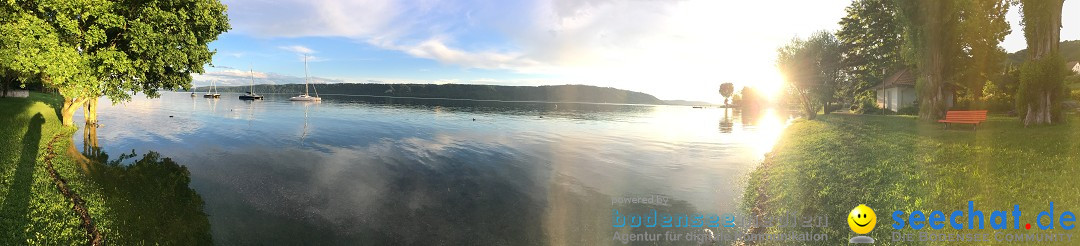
x=1028 y=226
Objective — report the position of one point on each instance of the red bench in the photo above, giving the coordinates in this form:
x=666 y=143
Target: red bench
x=964 y=117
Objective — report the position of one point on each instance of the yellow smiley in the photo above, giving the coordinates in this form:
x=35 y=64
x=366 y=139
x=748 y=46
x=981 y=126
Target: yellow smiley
x=862 y=219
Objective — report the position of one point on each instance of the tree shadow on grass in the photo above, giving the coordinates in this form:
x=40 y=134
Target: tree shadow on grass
x=15 y=207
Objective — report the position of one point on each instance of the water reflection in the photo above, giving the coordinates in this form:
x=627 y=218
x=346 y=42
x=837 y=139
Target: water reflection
x=768 y=124
x=576 y=111
x=147 y=201
x=726 y=125
x=383 y=170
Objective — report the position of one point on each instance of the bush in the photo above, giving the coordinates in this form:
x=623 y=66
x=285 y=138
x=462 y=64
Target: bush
x=833 y=107
x=909 y=110
x=1038 y=77
x=1075 y=95
x=865 y=103
x=1072 y=79
x=997 y=99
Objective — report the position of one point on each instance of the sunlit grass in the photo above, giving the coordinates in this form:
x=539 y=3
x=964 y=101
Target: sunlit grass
x=33 y=211
x=893 y=163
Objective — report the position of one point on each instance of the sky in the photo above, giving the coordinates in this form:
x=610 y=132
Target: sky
x=672 y=49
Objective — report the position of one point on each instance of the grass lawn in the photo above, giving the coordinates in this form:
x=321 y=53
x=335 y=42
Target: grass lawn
x=136 y=202
x=33 y=211
x=830 y=165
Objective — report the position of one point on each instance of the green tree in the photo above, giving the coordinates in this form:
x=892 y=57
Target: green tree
x=725 y=90
x=982 y=28
x=870 y=37
x=1041 y=76
x=932 y=46
x=812 y=70
x=91 y=48
x=750 y=99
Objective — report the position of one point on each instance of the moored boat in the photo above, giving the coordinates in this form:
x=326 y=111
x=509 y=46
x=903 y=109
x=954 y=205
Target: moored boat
x=305 y=96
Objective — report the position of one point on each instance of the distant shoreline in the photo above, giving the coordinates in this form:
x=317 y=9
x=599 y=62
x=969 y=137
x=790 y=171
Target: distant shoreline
x=468 y=92
x=474 y=100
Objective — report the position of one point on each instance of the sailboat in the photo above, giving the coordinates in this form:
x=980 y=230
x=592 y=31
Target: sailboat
x=305 y=96
x=251 y=90
x=214 y=88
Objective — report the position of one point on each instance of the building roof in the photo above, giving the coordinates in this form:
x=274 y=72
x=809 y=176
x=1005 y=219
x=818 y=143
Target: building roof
x=903 y=78
x=1072 y=64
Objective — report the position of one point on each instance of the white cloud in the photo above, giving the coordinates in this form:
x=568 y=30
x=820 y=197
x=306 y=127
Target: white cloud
x=437 y=50
x=667 y=48
x=298 y=49
x=233 y=77
x=303 y=52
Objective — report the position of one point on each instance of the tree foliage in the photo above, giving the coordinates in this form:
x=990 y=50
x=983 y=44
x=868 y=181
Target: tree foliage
x=870 y=37
x=750 y=99
x=812 y=70
x=92 y=48
x=982 y=28
x=725 y=90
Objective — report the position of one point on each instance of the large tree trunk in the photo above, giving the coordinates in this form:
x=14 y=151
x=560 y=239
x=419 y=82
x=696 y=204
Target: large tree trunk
x=1042 y=28
x=931 y=84
x=1041 y=111
x=90 y=111
x=810 y=112
x=67 y=112
x=4 y=83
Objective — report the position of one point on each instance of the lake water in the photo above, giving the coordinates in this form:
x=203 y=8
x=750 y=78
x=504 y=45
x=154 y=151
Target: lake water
x=353 y=170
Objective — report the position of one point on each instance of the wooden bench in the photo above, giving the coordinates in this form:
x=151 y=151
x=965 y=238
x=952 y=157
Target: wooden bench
x=975 y=118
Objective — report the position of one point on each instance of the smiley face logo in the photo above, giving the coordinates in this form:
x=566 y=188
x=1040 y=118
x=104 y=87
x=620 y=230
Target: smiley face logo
x=862 y=219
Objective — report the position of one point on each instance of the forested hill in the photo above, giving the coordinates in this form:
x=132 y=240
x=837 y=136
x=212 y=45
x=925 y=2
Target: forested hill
x=552 y=93
x=1070 y=51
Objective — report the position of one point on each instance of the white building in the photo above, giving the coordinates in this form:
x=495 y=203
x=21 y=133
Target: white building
x=1075 y=66
x=898 y=91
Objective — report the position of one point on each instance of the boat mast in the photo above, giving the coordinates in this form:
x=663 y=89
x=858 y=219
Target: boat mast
x=251 y=90
x=306 y=78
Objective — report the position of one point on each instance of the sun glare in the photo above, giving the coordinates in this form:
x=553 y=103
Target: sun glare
x=769 y=127
x=769 y=83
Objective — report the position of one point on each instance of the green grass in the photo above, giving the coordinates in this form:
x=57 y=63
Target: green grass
x=144 y=201
x=830 y=165
x=33 y=211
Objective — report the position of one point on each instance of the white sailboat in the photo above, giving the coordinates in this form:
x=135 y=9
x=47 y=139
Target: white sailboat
x=305 y=96
x=214 y=88
x=251 y=90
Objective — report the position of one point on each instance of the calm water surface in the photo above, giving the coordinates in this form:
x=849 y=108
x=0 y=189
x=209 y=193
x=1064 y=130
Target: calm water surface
x=354 y=170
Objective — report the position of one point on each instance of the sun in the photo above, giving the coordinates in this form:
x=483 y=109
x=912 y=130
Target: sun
x=769 y=82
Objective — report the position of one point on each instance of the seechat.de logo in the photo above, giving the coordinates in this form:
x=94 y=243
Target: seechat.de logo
x=862 y=220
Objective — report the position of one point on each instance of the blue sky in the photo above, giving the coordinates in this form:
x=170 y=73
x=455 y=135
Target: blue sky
x=671 y=49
